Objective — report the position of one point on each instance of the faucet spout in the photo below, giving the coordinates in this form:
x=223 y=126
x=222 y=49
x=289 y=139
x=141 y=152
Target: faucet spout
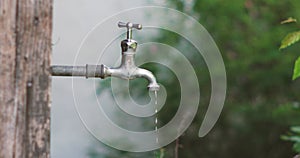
x=131 y=73
x=153 y=85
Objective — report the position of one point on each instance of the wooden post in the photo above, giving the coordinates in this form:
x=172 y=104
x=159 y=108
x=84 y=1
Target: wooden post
x=25 y=49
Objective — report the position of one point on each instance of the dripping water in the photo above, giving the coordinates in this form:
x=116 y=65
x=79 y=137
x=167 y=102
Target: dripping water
x=156 y=120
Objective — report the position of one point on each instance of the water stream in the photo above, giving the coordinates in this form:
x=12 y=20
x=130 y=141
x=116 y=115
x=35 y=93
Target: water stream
x=156 y=120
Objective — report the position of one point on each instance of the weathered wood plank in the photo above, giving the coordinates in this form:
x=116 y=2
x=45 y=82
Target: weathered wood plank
x=7 y=73
x=25 y=49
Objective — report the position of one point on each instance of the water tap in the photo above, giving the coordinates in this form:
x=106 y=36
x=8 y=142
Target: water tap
x=127 y=69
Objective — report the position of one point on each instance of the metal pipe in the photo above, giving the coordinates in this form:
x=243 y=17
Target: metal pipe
x=88 y=71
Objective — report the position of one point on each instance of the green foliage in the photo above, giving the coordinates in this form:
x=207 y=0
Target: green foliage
x=296 y=129
x=290 y=39
x=252 y=121
x=293 y=136
x=288 y=20
x=296 y=69
x=160 y=153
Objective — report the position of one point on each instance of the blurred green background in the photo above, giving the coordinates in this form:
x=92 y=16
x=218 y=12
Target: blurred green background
x=262 y=101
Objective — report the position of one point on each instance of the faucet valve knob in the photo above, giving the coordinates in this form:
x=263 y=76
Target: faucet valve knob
x=129 y=27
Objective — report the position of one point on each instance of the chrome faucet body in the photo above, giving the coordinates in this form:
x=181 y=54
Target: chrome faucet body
x=127 y=70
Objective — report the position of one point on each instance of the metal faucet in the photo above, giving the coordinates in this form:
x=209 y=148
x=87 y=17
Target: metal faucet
x=127 y=69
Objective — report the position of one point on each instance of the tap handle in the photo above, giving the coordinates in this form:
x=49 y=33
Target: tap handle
x=129 y=27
